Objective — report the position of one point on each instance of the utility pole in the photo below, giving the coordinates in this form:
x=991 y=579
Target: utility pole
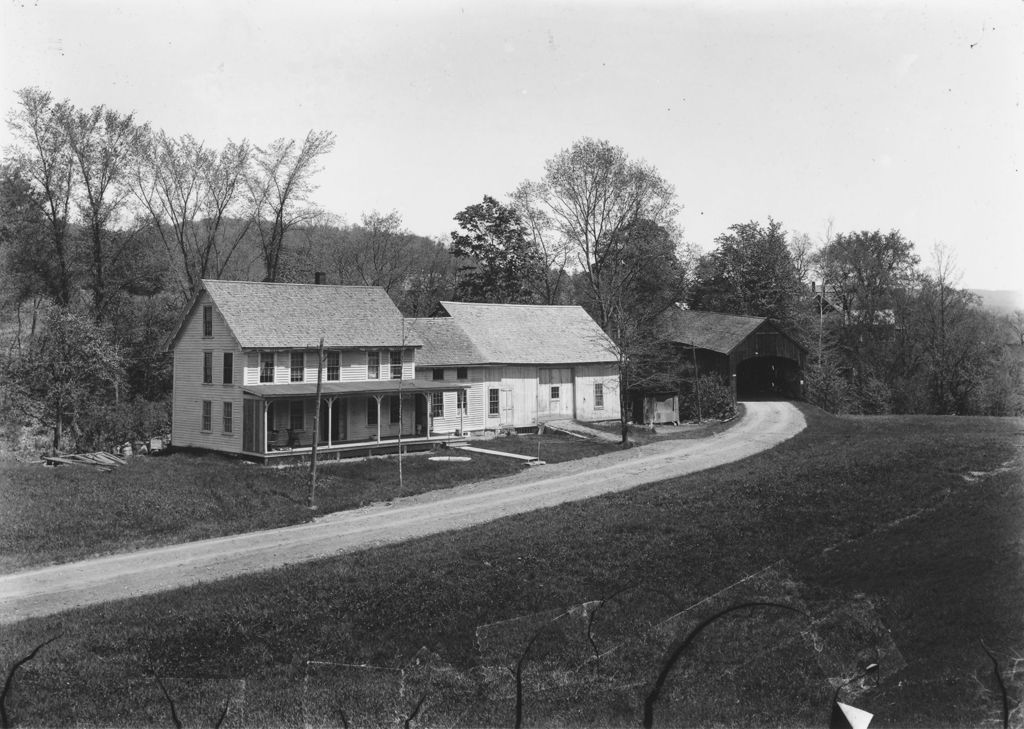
x=311 y=500
x=696 y=380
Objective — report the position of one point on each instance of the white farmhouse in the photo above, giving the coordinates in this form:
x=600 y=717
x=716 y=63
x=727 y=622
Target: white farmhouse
x=246 y=365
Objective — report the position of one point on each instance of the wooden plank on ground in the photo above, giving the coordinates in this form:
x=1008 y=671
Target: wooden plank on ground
x=474 y=449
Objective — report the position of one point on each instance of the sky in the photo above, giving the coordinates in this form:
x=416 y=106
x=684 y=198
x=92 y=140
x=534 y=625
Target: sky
x=871 y=115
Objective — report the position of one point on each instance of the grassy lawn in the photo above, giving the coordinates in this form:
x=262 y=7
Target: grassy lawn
x=71 y=512
x=875 y=527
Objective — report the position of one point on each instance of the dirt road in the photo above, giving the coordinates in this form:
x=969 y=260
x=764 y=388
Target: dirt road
x=61 y=587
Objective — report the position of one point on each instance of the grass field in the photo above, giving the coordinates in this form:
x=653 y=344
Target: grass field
x=72 y=512
x=899 y=538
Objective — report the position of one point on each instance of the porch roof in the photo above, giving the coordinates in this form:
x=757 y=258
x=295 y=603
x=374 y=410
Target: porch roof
x=382 y=387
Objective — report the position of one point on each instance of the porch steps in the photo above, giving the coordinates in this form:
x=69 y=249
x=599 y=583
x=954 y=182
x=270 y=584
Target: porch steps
x=506 y=454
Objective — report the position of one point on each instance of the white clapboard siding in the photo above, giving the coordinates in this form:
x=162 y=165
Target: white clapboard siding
x=586 y=377
x=472 y=420
x=190 y=391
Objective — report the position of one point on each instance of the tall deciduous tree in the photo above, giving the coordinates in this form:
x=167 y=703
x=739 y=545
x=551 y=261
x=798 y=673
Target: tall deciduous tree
x=498 y=261
x=105 y=145
x=28 y=274
x=592 y=192
x=751 y=272
x=42 y=153
x=192 y=194
x=551 y=247
x=379 y=253
x=279 y=189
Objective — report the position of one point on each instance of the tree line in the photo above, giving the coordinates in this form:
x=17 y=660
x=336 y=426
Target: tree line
x=108 y=225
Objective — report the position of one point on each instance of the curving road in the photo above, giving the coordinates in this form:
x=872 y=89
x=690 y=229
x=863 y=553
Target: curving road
x=61 y=587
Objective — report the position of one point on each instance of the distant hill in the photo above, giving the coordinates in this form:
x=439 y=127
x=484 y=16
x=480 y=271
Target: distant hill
x=1001 y=302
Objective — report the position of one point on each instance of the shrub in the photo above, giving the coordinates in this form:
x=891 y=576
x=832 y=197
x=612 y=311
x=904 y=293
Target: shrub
x=716 y=402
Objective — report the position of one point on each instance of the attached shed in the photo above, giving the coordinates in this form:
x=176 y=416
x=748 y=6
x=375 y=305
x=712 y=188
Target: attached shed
x=753 y=353
x=526 y=364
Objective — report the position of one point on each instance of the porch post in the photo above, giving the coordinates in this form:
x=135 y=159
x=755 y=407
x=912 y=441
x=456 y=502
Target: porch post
x=266 y=407
x=330 y=404
x=378 y=399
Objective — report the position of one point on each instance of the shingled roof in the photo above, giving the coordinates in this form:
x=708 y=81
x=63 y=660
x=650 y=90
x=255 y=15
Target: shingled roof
x=528 y=334
x=444 y=343
x=708 y=329
x=287 y=316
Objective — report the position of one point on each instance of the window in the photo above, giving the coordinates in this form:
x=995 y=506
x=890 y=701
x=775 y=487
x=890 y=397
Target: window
x=229 y=368
x=555 y=392
x=298 y=366
x=207 y=415
x=227 y=417
x=396 y=365
x=333 y=366
x=207 y=321
x=462 y=373
x=598 y=396
x=207 y=367
x=297 y=421
x=395 y=405
x=437 y=404
x=461 y=401
x=439 y=373
x=493 y=407
x=266 y=366
x=371 y=411
x=373 y=365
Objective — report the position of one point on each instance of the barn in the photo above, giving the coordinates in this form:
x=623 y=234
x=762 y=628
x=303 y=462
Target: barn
x=753 y=353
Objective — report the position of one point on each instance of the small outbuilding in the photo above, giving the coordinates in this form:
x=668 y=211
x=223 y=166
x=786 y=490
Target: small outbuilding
x=753 y=353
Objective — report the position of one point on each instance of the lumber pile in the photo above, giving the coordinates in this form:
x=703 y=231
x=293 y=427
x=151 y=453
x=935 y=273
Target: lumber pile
x=100 y=460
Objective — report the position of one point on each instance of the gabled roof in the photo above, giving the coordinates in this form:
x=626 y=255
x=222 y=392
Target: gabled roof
x=288 y=316
x=444 y=343
x=530 y=334
x=708 y=329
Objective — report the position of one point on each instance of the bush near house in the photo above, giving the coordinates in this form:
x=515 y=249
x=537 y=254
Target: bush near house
x=716 y=401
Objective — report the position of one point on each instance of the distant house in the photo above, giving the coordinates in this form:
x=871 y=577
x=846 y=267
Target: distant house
x=523 y=365
x=752 y=353
x=246 y=366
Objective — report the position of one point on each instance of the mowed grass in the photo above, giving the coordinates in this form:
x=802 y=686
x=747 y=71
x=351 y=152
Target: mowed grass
x=73 y=512
x=877 y=511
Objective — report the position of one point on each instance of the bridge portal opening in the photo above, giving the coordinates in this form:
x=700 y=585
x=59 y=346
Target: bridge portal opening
x=767 y=378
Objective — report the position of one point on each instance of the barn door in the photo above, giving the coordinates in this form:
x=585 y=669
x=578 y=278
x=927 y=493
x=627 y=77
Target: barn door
x=555 y=396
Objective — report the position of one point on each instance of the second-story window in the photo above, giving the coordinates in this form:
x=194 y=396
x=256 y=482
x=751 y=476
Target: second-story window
x=333 y=366
x=266 y=366
x=438 y=373
x=396 y=365
x=462 y=373
x=373 y=365
x=207 y=367
x=298 y=366
x=229 y=368
x=207 y=321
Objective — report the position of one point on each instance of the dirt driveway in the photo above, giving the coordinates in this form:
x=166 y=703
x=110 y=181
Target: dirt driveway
x=54 y=589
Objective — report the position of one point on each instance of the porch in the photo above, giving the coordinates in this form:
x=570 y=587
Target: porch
x=279 y=421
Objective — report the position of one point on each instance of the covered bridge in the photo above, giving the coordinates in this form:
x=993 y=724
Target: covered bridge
x=751 y=352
